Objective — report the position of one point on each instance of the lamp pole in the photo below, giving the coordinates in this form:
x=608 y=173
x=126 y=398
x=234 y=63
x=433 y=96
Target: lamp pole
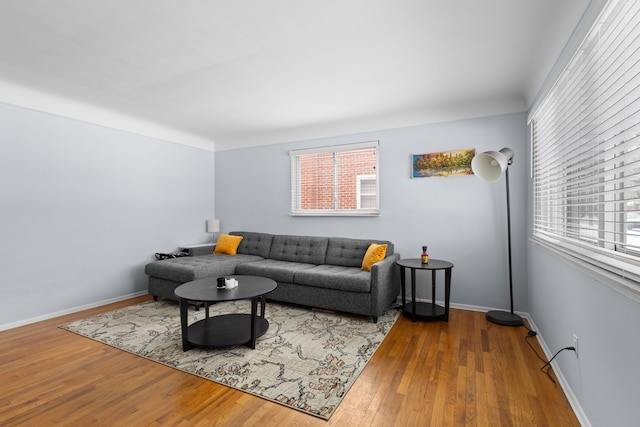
x=507 y=318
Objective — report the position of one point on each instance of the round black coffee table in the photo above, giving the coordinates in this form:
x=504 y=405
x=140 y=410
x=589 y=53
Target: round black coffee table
x=226 y=329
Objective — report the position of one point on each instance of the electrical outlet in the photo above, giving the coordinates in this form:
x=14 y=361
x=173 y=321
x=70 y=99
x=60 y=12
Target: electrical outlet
x=575 y=343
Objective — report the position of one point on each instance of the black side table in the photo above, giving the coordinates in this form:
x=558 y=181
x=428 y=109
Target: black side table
x=431 y=310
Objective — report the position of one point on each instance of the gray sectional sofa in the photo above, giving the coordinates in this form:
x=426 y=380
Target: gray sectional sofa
x=322 y=272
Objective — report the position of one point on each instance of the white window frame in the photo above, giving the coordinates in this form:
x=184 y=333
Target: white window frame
x=586 y=151
x=295 y=155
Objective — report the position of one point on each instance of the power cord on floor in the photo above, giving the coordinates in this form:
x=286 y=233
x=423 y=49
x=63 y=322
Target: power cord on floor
x=532 y=334
x=547 y=364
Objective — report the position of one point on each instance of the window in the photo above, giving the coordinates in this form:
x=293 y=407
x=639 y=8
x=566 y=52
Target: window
x=339 y=180
x=586 y=149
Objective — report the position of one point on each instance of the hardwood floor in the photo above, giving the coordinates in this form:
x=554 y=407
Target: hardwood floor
x=467 y=372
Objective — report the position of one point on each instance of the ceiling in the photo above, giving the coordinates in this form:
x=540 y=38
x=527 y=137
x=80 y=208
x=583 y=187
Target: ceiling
x=229 y=74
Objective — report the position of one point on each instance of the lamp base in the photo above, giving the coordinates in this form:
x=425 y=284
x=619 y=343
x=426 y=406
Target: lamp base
x=504 y=318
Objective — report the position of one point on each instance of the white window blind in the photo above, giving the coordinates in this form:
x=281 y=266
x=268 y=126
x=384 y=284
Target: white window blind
x=337 y=180
x=586 y=148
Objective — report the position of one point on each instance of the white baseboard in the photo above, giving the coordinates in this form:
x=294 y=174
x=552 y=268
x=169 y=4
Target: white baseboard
x=48 y=316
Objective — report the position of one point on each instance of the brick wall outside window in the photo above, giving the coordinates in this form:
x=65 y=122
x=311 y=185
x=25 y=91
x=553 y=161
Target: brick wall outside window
x=318 y=186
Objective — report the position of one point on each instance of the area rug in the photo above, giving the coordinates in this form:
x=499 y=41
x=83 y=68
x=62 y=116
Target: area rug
x=307 y=360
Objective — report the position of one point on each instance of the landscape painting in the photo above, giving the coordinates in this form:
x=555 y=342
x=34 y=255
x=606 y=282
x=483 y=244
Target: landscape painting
x=446 y=163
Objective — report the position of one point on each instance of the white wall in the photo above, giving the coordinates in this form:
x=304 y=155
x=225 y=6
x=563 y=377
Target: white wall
x=461 y=219
x=84 y=207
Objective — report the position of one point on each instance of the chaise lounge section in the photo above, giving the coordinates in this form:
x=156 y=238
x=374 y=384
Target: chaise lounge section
x=322 y=272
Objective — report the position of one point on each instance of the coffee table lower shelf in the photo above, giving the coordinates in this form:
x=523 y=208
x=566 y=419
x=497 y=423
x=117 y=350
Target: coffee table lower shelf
x=225 y=330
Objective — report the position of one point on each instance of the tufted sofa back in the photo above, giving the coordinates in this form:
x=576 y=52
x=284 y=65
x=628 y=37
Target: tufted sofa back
x=306 y=249
x=254 y=243
x=341 y=251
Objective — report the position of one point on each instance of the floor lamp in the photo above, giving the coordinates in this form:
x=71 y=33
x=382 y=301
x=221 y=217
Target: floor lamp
x=489 y=166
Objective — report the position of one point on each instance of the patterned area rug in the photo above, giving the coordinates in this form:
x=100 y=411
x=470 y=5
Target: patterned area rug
x=307 y=360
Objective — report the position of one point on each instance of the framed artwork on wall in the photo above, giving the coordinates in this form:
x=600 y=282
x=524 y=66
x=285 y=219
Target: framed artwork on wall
x=445 y=163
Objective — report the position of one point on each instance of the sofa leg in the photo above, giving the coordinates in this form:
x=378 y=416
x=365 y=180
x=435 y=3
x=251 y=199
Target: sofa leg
x=155 y=297
x=375 y=319
x=196 y=305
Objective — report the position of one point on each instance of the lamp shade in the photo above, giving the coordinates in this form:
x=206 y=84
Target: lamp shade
x=490 y=165
x=213 y=225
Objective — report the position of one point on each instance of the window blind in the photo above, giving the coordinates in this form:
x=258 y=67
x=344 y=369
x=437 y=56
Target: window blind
x=586 y=148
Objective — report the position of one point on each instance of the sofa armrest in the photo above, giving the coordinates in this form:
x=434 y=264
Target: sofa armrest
x=197 y=250
x=385 y=282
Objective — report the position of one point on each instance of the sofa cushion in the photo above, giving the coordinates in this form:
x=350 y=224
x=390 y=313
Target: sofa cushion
x=186 y=269
x=280 y=271
x=350 y=252
x=227 y=244
x=254 y=243
x=374 y=254
x=304 y=249
x=350 y=279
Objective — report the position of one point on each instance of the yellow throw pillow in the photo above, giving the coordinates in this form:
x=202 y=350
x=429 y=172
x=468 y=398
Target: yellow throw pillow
x=227 y=244
x=374 y=254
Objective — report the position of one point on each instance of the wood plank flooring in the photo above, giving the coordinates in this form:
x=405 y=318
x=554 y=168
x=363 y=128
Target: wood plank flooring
x=467 y=372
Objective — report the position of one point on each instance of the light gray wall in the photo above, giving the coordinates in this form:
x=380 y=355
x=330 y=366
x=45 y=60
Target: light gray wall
x=564 y=300
x=83 y=208
x=461 y=219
